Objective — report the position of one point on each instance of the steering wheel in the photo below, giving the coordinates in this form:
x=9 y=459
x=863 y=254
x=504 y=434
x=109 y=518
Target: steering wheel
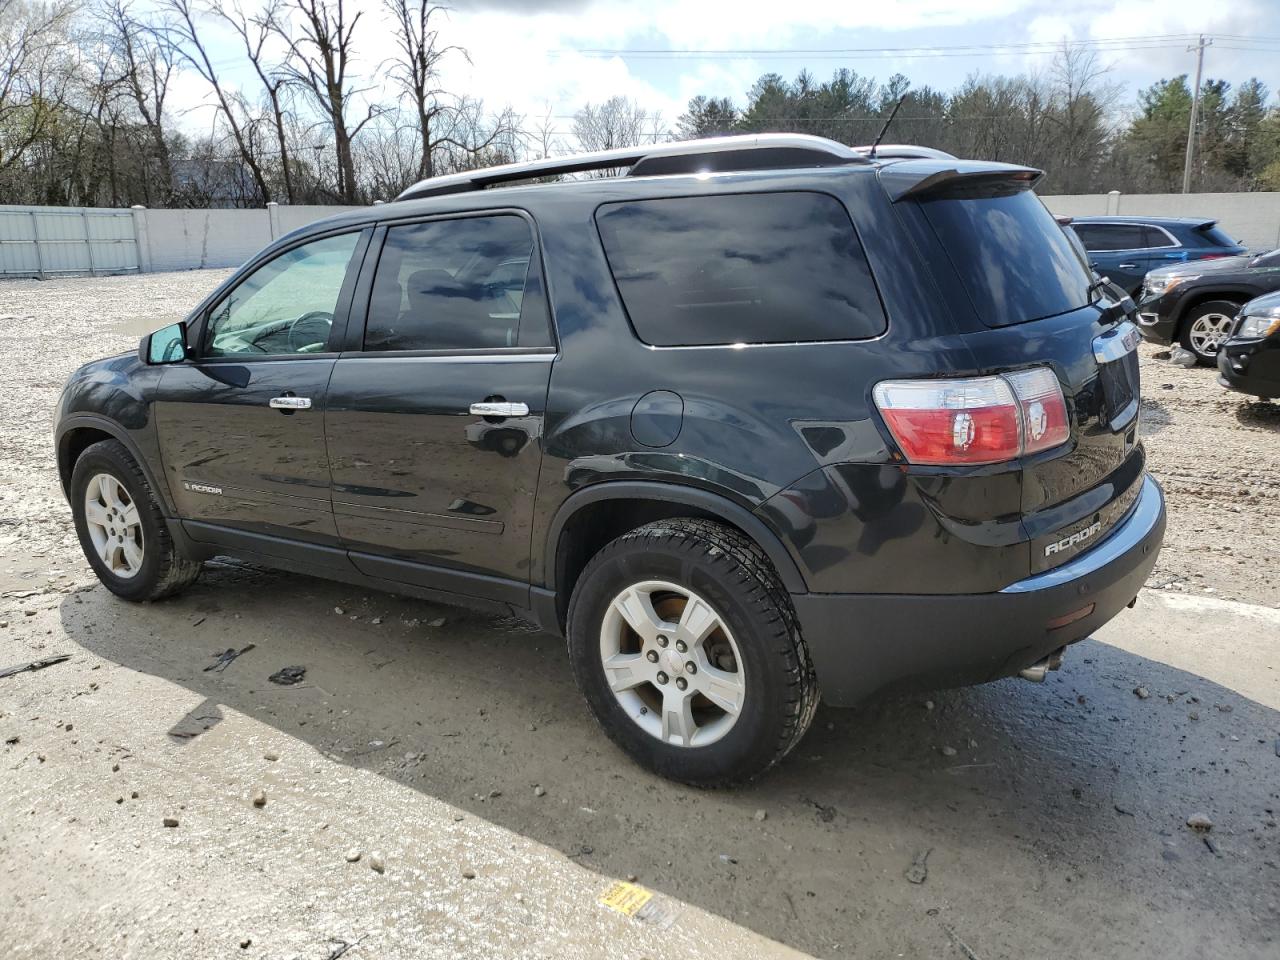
x=309 y=330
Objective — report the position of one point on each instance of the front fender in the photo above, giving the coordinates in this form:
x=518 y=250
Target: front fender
x=112 y=398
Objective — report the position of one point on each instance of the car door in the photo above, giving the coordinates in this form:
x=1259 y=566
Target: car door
x=1116 y=251
x=434 y=417
x=241 y=424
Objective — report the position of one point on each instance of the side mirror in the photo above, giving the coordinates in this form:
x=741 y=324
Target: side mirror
x=166 y=345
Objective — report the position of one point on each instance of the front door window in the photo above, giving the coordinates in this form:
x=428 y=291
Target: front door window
x=284 y=307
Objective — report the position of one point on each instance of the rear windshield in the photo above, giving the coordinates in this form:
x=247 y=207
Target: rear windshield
x=740 y=268
x=1217 y=236
x=1013 y=259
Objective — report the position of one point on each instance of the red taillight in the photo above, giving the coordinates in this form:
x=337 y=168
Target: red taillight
x=976 y=419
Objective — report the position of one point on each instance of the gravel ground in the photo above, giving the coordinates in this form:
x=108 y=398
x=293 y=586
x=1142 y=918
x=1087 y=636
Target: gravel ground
x=1054 y=822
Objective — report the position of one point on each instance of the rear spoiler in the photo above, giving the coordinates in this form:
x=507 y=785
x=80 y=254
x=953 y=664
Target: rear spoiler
x=1207 y=225
x=920 y=179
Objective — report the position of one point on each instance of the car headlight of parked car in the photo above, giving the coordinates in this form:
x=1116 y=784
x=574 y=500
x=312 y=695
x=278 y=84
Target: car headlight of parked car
x=1159 y=286
x=1260 y=325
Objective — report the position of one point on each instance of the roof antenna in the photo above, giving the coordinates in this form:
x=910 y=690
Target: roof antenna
x=885 y=129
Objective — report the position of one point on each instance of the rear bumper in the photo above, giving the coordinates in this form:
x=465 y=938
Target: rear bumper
x=863 y=644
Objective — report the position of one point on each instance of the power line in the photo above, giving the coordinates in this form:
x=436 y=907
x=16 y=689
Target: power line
x=1042 y=46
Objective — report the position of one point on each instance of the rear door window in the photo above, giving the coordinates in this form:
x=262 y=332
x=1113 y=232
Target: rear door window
x=457 y=285
x=1013 y=259
x=741 y=268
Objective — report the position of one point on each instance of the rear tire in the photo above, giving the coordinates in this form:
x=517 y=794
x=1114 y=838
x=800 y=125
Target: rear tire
x=121 y=527
x=1205 y=327
x=710 y=593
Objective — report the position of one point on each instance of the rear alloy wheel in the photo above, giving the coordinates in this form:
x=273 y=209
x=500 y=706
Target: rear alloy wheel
x=686 y=648
x=1207 y=327
x=672 y=664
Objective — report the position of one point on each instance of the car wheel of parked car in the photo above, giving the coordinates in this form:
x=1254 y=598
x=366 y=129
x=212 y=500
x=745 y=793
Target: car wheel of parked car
x=1206 y=327
x=121 y=528
x=686 y=647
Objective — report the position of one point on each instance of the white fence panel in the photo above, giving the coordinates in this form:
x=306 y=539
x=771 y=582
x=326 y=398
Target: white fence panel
x=57 y=241
x=52 y=241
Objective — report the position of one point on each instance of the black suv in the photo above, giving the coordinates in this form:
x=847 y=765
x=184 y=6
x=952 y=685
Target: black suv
x=1196 y=303
x=762 y=416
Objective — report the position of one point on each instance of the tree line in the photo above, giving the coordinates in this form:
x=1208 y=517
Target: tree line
x=87 y=114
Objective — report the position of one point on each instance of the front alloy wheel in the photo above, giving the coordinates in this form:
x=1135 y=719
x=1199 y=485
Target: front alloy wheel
x=114 y=526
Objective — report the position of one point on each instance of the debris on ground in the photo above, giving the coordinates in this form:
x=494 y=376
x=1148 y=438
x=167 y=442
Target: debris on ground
x=226 y=657
x=33 y=665
x=353 y=856
x=825 y=814
x=288 y=676
x=259 y=798
x=468 y=874
x=376 y=863
x=341 y=946
x=1200 y=822
x=170 y=821
x=539 y=791
x=948 y=751
x=760 y=815
x=437 y=622
x=918 y=872
x=1182 y=358
x=1141 y=693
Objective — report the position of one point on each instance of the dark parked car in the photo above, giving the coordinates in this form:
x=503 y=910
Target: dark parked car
x=777 y=417
x=1196 y=303
x=1249 y=360
x=1124 y=249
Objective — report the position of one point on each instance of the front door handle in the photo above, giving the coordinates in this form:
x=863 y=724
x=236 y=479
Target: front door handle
x=499 y=408
x=290 y=403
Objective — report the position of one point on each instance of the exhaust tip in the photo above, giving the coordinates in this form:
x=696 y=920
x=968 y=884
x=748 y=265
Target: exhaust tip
x=1036 y=672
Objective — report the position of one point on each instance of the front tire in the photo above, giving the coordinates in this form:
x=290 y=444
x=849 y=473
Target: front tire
x=685 y=645
x=1206 y=327
x=121 y=528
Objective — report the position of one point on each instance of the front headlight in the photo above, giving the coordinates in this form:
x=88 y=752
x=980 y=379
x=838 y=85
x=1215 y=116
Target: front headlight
x=1258 y=327
x=1158 y=286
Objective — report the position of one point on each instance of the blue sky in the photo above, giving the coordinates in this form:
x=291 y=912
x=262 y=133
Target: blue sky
x=528 y=53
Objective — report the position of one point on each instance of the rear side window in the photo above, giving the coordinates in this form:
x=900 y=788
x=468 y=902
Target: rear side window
x=1155 y=237
x=463 y=284
x=744 y=268
x=1013 y=259
x=1112 y=236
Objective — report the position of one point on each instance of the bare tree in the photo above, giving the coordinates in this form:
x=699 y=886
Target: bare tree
x=33 y=73
x=1081 y=101
x=618 y=122
x=186 y=41
x=320 y=63
x=144 y=64
x=445 y=124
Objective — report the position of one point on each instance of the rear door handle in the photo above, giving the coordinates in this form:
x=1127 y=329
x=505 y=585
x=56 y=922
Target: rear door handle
x=1128 y=266
x=499 y=408
x=290 y=403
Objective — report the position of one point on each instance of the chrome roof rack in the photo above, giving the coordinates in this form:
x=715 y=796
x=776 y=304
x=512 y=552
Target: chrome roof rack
x=763 y=151
x=905 y=151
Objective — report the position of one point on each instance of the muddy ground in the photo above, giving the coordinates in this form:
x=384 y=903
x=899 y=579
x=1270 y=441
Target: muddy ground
x=1058 y=827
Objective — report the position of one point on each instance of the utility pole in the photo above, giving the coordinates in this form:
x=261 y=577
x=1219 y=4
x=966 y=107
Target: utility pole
x=1195 y=109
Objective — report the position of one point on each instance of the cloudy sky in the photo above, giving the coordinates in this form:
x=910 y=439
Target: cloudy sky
x=548 y=57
